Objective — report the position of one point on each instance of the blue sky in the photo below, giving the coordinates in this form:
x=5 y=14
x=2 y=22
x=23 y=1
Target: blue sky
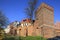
x=14 y=9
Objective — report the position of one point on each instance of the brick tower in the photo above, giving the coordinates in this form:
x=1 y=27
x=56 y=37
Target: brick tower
x=44 y=21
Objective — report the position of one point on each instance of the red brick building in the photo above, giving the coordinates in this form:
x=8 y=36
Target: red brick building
x=26 y=28
x=43 y=25
x=57 y=29
x=45 y=20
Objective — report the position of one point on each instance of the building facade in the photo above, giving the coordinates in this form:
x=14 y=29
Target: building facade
x=57 y=29
x=26 y=28
x=43 y=25
x=45 y=20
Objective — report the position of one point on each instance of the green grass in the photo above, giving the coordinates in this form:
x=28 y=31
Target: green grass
x=33 y=38
x=24 y=38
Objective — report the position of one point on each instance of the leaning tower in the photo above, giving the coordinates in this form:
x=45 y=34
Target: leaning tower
x=44 y=22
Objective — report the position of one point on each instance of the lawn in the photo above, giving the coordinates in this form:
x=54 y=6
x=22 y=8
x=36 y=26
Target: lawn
x=24 y=38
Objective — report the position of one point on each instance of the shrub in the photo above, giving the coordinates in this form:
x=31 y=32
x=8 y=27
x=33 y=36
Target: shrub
x=9 y=38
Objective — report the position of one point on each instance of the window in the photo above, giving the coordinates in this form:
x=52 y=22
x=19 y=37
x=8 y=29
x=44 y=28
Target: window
x=20 y=29
x=22 y=25
x=26 y=24
x=37 y=28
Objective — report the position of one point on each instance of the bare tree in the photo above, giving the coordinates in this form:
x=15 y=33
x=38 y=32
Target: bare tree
x=30 y=10
x=31 y=7
x=3 y=19
x=3 y=22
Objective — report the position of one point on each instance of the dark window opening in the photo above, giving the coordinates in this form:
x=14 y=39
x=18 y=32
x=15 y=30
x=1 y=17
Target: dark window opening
x=33 y=21
x=37 y=28
x=19 y=29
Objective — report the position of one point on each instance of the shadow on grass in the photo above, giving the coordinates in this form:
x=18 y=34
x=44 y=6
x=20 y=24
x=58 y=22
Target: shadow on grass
x=54 y=38
x=12 y=38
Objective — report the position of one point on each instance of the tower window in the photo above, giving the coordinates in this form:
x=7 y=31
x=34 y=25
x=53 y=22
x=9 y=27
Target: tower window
x=19 y=29
x=37 y=28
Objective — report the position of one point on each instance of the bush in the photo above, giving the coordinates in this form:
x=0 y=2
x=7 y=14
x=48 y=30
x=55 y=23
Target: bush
x=1 y=33
x=9 y=38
